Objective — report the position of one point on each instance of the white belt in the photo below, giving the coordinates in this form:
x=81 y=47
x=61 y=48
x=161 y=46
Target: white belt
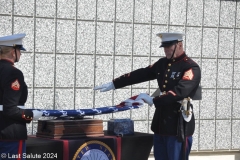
x=22 y=107
x=1 y=107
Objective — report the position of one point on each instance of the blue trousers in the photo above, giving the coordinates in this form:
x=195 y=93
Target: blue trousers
x=168 y=148
x=12 y=150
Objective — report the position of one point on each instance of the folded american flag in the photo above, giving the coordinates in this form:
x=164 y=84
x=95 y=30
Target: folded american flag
x=130 y=103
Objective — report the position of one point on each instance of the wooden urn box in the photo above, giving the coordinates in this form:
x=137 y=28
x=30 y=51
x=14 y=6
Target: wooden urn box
x=69 y=129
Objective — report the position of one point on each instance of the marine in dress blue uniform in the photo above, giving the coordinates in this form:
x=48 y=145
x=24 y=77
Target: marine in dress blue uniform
x=178 y=77
x=13 y=95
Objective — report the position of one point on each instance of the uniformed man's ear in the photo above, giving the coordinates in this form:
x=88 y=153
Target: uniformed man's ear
x=12 y=52
x=180 y=44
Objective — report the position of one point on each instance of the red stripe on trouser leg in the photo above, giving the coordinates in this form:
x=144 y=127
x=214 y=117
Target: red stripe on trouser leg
x=20 y=145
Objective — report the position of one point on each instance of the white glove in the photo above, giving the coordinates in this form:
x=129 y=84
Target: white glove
x=105 y=87
x=37 y=114
x=146 y=98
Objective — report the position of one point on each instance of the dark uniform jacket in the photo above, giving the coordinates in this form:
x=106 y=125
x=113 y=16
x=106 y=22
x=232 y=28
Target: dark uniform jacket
x=13 y=93
x=177 y=79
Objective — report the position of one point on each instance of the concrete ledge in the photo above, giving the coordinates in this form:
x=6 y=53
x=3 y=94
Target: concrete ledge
x=215 y=155
x=211 y=155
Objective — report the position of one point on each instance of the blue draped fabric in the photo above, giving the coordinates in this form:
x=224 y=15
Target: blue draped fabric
x=85 y=112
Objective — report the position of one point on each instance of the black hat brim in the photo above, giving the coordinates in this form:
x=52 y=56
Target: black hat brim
x=168 y=43
x=20 y=47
